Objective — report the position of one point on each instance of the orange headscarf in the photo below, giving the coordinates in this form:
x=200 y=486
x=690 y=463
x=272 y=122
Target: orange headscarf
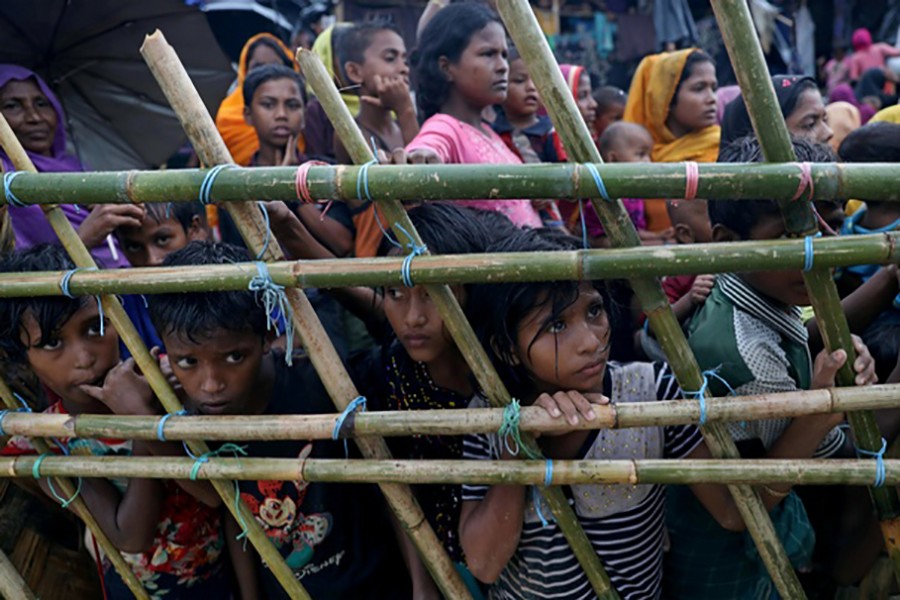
x=239 y=137
x=649 y=99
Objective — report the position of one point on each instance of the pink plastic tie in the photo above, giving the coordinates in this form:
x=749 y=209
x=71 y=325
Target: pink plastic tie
x=692 y=180
x=301 y=183
x=806 y=184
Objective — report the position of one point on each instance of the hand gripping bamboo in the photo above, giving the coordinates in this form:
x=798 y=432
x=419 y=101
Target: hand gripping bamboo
x=532 y=44
x=199 y=126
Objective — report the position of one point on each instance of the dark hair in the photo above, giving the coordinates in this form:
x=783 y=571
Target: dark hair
x=272 y=45
x=446 y=229
x=742 y=216
x=197 y=315
x=882 y=338
x=497 y=310
x=694 y=58
x=356 y=40
x=875 y=142
x=183 y=212
x=50 y=312
x=609 y=95
x=447 y=34
x=736 y=121
x=496 y=225
x=266 y=73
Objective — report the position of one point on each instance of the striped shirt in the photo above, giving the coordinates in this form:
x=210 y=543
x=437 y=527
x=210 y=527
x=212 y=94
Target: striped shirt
x=629 y=541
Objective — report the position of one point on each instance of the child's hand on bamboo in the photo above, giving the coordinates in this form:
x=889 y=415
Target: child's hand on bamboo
x=828 y=364
x=572 y=406
x=125 y=391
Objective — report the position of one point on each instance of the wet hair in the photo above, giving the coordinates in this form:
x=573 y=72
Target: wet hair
x=694 y=58
x=198 y=315
x=448 y=34
x=357 y=39
x=875 y=142
x=498 y=310
x=616 y=132
x=446 y=229
x=265 y=73
x=50 y=312
x=272 y=45
x=742 y=216
x=607 y=96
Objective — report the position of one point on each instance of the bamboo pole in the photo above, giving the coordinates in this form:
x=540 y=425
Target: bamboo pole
x=197 y=123
x=454 y=422
x=608 y=263
x=746 y=55
x=438 y=182
x=66 y=233
x=452 y=315
x=482 y=472
x=12 y=586
x=525 y=32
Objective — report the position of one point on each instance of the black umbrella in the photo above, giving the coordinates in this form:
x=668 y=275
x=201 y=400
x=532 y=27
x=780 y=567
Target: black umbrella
x=235 y=21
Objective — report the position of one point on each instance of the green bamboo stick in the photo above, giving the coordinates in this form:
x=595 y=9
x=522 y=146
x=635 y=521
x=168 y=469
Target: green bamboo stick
x=608 y=263
x=746 y=55
x=12 y=586
x=454 y=422
x=438 y=182
x=526 y=34
x=180 y=91
x=482 y=472
x=454 y=319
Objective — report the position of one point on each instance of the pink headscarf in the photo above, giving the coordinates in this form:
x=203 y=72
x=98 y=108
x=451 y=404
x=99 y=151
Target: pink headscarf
x=862 y=39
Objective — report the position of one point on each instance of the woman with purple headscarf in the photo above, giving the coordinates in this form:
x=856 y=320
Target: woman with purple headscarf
x=36 y=117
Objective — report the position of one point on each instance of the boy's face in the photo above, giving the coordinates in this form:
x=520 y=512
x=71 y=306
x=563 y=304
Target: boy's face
x=607 y=117
x=75 y=355
x=522 y=98
x=276 y=112
x=222 y=373
x=385 y=57
x=149 y=244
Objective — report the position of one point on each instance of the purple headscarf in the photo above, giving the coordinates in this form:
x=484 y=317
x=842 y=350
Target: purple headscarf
x=29 y=223
x=845 y=93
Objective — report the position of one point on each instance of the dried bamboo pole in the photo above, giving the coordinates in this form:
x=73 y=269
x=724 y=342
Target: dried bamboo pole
x=459 y=328
x=485 y=472
x=746 y=55
x=12 y=586
x=608 y=263
x=438 y=182
x=525 y=32
x=197 y=123
x=74 y=246
x=454 y=422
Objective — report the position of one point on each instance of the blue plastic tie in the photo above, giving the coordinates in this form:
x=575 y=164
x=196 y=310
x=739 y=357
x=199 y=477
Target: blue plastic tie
x=880 y=474
x=598 y=181
x=208 y=180
x=362 y=181
x=274 y=297
x=11 y=198
x=700 y=395
x=3 y=413
x=509 y=429
x=536 y=500
x=36 y=473
x=64 y=288
x=267 y=240
x=808 y=256
x=414 y=251
x=160 y=433
x=548 y=473
x=337 y=432
x=584 y=231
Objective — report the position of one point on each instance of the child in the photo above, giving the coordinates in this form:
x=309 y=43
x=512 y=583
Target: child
x=173 y=542
x=690 y=223
x=749 y=330
x=610 y=108
x=163 y=230
x=550 y=342
x=335 y=536
x=461 y=69
x=578 y=81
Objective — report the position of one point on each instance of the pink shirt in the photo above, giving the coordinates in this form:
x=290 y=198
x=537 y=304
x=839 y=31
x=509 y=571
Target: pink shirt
x=872 y=57
x=460 y=143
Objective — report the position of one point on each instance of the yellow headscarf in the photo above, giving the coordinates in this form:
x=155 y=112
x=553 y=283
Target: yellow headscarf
x=890 y=114
x=649 y=99
x=324 y=47
x=238 y=135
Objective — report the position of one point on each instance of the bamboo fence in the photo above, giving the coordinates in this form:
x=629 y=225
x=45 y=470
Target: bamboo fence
x=389 y=186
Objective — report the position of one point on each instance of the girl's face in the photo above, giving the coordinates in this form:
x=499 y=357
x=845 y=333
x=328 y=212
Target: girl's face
x=809 y=119
x=695 y=105
x=417 y=322
x=587 y=106
x=481 y=75
x=263 y=55
x=569 y=351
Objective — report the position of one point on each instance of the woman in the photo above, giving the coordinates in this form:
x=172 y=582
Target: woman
x=673 y=95
x=36 y=117
x=845 y=93
x=261 y=49
x=579 y=82
x=843 y=118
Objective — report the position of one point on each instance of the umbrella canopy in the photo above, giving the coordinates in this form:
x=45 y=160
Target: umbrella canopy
x=88 y=51
x=235 y=21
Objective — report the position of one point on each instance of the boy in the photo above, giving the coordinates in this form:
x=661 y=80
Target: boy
x=335 y=536
x=172 y=541
x=610 y=108
x=163 y=230
x=750 y=333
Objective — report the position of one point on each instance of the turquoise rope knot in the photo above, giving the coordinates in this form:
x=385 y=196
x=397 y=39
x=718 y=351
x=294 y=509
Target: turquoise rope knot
x=598 y=181
x=205 y=195
x=338 y=432
x=414 y=251
x=36 y=473
x=274 y=298
x=509 y=428
x=880 y=472
x=237 y=452
x=160 y=433
x=3 y=413
x=700 y=395
x=64 y=288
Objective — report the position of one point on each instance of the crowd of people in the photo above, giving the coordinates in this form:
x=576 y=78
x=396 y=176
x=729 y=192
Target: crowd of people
x=564 y=346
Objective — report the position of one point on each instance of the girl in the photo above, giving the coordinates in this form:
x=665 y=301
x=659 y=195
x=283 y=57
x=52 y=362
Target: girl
x=673 y=95
x=550 y=342
x=579 y=82
x=461 y=69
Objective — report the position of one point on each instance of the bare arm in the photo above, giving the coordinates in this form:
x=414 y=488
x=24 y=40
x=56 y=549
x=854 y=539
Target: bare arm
x=334 y=236
x=489 y=530
x=244 y=561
